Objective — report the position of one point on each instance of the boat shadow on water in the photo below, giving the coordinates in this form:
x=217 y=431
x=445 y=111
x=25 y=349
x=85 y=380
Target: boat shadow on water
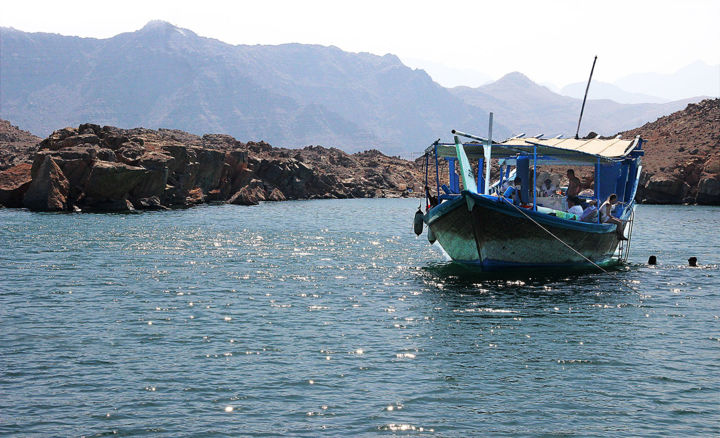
x=464 y=279
x=452 y=271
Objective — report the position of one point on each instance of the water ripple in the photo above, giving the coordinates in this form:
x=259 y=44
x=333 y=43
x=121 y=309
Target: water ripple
x=330 y=318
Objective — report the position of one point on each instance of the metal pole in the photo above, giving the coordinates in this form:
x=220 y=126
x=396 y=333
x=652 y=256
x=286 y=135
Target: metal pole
x=534 y=177
x=584 y=99
x=427 y=169
x=597 y=188
x=466 y=135
x=488 y=155
x=437 y=174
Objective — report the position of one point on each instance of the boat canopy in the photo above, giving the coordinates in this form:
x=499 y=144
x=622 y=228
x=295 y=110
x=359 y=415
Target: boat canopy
x=552 y=150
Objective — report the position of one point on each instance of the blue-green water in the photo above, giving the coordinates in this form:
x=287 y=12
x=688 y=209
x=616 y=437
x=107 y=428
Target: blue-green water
x=330 y=318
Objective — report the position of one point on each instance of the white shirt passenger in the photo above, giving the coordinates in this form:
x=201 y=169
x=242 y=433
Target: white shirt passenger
x=576 y=210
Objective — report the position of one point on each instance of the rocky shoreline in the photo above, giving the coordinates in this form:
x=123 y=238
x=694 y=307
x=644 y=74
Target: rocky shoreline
x=94 y=168
x=682 y=156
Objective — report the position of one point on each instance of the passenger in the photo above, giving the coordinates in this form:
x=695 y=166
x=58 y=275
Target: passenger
x=573 y=184
x=513 y=192
x=606 y=216
x=574 y=206
x=547 y=188
x=590 y=213
x=432 y=200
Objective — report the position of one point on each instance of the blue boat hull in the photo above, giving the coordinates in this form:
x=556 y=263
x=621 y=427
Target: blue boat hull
x=489 y=232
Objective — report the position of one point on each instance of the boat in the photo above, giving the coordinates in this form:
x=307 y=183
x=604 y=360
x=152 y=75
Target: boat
x=476 y=225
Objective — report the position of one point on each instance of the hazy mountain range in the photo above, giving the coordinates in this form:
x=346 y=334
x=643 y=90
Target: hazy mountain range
x=288 y=95
x=534 y=109
x=696 y=79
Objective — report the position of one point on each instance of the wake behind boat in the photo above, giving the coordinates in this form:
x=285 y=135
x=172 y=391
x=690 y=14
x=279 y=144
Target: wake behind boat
x=478 y=225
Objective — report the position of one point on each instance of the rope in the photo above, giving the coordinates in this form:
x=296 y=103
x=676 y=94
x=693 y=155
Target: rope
x=556 y=237
x=573 y=249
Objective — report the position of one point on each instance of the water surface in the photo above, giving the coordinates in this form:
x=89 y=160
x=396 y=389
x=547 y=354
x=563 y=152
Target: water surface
x=331 y=318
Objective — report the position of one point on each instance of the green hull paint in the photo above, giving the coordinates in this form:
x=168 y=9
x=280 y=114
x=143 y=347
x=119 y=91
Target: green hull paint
x=477 y=230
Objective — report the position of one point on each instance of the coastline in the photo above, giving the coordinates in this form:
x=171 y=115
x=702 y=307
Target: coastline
x=93 y=168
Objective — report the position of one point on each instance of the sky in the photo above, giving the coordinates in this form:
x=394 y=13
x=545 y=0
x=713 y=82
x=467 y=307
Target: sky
x=457 y=42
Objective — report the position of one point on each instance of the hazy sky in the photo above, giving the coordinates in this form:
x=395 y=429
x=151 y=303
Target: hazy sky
x=550 y=41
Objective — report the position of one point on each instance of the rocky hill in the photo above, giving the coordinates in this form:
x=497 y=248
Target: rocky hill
x=94 y=168
x=682 y=158
x=16 y=145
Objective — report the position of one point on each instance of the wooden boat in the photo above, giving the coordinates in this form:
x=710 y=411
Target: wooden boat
x=477 y=225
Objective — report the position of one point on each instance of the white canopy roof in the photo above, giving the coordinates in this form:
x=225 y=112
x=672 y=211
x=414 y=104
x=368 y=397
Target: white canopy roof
x=606 y=148
x=553 y=150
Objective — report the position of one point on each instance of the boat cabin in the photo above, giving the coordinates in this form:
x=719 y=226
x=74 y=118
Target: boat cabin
x=615 y=164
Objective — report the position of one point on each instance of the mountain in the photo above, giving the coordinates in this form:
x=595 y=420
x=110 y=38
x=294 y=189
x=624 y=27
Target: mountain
x=524 y=106
x=604 y=90
x=449 y=76
x=164 y=76
x=290 y=95
x=696 y=79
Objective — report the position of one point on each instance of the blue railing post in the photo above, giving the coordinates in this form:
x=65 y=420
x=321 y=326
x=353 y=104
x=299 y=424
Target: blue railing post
x=454 y=180
x=597 y=188
x=480 y=177
x=534 y=182
x=437 y=174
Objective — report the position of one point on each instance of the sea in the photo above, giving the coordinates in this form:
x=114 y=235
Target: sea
x=331 y=318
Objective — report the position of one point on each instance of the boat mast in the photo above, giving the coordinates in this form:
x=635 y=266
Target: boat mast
x=584 y=99
x=488 y=154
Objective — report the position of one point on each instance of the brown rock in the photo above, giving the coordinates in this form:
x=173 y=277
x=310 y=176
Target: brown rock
x=130 y=152
x=154 y=182
x=14 y=182
x=709 y=191
x=685 y=144
x=151 y=203
x=712 y=166
x=195 y=196
x=248 y=196
x=276 y=195
x=211 y=164
x=665 y=189
x=16 y=146
x=49 y=188
x=112 y=181
x=182 y=174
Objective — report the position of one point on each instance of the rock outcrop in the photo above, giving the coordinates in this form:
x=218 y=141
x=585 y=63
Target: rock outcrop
x=682 y=156
x=16 y=145
x=14 y=183
x=96 y=168
x=48 y=190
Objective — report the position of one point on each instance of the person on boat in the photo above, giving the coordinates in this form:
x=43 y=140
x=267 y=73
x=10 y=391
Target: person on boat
x=574 y=206
x=513 y=192
x=590 y=212
x=547 y=188
x=606 y=216
x=574 y=185
x=432 y=200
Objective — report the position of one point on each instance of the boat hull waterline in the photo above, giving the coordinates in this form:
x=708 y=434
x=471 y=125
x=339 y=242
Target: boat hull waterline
x=491 y=233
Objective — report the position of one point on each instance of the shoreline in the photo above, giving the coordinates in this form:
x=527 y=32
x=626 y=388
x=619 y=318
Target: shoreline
x=93 y=168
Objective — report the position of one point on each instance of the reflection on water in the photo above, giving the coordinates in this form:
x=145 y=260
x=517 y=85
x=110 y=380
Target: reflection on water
x=332 y=318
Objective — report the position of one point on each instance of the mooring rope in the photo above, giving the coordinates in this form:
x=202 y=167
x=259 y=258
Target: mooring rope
x=556 y=237
x=629 y=288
